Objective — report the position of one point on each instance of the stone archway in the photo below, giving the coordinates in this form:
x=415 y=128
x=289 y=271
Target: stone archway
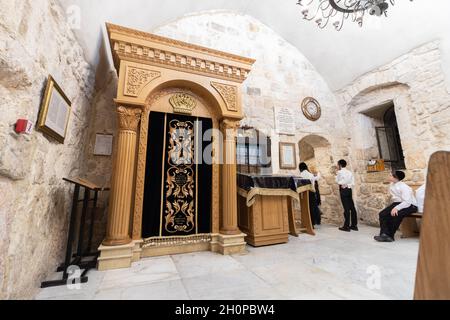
x=316 y=152
x=366 y=111
x=149 y=66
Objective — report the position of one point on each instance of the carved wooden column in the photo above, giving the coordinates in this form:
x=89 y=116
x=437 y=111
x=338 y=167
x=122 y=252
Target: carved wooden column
x=117 y=232
x=229 y=222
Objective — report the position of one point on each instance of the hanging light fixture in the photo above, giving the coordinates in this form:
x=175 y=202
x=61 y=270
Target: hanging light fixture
x=335 y=12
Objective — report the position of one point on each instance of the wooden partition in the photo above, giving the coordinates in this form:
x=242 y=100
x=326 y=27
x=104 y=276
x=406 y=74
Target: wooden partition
x=433 y=269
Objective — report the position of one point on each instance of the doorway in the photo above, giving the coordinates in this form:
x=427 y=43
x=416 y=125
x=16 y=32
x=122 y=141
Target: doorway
x=316 y=152
x=178 y=193
x=389 y=143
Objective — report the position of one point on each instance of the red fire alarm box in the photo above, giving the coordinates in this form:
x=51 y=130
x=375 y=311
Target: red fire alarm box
x=24 y=126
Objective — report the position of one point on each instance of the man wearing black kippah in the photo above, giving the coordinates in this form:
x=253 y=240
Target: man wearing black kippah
x=346 y=182
x=404 y=204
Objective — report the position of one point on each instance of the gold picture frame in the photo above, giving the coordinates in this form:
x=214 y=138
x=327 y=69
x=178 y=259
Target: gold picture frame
x=288 y=158
x=55 y=112
x=311 y=109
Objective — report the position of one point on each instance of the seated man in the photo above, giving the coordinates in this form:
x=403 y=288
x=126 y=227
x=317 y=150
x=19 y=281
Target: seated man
x=404 y=204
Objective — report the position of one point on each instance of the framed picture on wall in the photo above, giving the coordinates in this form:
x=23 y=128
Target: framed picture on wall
x=55 y=112
x=288 y=159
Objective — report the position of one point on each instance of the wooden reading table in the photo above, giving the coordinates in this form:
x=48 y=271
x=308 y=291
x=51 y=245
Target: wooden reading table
x=265 y=208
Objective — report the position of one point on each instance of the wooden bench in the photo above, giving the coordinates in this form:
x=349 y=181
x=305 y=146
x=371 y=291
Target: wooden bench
x=409 y=227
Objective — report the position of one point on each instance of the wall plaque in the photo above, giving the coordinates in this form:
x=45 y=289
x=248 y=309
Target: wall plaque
x=103 y=144
x=284 y=121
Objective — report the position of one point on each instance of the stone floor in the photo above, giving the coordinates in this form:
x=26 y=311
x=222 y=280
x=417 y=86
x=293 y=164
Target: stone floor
x=332 y=265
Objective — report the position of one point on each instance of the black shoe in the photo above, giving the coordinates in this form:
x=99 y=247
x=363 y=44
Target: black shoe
x=383 y=238
x=354 y=228
x=345 y=229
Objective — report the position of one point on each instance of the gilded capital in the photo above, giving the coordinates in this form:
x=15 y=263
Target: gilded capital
x=129 y=118
x=229 y=128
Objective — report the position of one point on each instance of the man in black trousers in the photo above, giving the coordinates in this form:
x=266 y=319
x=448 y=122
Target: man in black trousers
x=346 y=182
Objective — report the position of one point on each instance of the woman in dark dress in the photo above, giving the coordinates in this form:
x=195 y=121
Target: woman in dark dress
x=314 y=197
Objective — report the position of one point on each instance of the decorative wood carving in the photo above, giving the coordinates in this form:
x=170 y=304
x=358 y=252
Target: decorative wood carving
x=129 y=118
x=176 y=54
x=183 y=103
x=140 y=176
x=137 y=79
x=180 y=240
x=229 y=128
x=228 y=93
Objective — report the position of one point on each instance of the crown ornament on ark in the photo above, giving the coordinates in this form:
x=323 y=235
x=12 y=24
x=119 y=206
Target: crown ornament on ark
x=183 y=103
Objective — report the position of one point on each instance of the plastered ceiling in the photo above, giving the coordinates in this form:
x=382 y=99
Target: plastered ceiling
x=339 y=56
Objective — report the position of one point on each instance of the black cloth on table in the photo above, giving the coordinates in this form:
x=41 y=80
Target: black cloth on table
x=248 y=182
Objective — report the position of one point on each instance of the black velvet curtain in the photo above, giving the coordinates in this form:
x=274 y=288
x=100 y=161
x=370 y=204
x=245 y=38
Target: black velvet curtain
x=177 y=196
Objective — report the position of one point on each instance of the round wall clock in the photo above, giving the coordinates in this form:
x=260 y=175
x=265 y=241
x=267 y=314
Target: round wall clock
x=311 y=109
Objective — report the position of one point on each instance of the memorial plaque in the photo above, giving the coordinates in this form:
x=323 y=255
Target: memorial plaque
x=103 y=145
x=284 y=121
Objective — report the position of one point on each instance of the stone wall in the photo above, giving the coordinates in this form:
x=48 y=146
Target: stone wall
x=415 y=84
x=35 y=41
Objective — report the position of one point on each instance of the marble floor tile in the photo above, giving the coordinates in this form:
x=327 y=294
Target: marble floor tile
x=142 y=272
x=204 y=263
x=85 y=291
x=333 y=265
x=164 y=290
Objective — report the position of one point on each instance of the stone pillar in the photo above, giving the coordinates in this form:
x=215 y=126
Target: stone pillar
x=118 y=228
x=229 y=221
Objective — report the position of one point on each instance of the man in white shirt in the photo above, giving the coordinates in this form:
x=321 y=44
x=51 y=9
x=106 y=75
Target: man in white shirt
x=420 y=196
x=346 y=182
x=314 y=197
x=404 y=204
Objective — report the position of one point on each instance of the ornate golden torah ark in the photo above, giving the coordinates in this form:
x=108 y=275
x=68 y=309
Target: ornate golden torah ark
x=190 y=207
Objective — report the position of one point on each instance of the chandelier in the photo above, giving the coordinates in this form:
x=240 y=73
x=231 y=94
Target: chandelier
x=324 y=12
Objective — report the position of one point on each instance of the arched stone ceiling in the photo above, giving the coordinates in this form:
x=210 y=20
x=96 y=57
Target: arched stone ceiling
x=339 y=56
